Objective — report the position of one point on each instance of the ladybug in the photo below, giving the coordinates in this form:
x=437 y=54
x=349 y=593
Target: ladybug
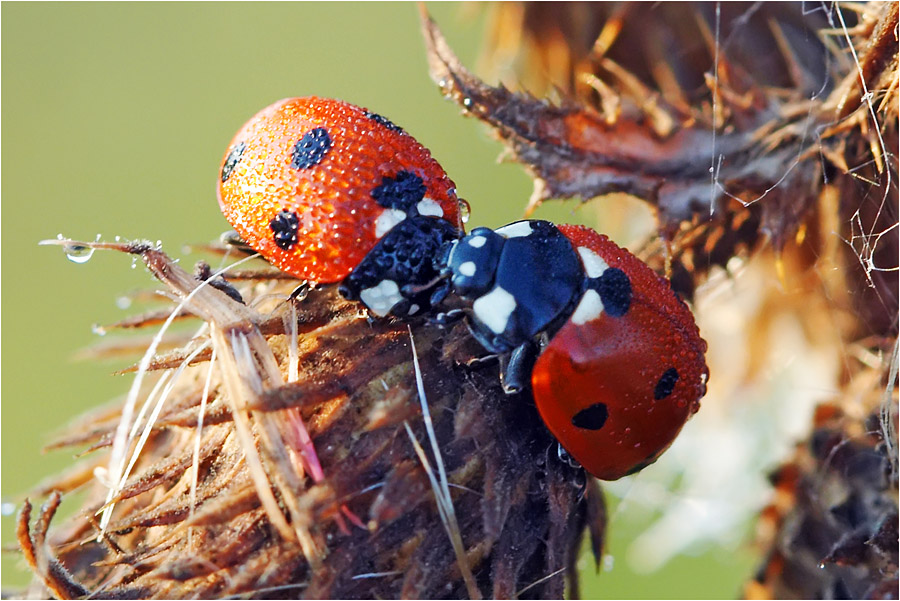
x=331 y=192
x=615 y=359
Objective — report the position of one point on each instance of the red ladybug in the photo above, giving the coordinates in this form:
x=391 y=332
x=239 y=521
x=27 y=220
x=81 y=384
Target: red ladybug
x=616 y=383
x=615 y=360
x=315 y=185
x=330 y=192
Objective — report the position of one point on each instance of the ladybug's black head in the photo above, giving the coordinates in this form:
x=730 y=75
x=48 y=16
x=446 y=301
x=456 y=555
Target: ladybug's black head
x=397 y=275
x=472 y=262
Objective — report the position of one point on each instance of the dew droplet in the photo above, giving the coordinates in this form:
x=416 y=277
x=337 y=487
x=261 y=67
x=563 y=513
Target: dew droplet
x=98 y=330
x=102 y=476
x=7 y=508
x=465 y=211
x=467 y=102
x=123 y=302
x=78 y=253
x=608 y=562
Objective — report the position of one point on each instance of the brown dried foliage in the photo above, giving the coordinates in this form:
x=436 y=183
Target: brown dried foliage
x=371 y=526
x=831 y=529
x=802 y=143
x=794 y=109
x=730 y=125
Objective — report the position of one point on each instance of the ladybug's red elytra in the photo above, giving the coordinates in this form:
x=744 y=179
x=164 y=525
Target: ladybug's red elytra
x=330 y=192
x=314 y=184
x=614 y=359
x=616 y=386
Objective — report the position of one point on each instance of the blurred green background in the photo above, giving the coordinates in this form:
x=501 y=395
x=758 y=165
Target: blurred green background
x=115 y=118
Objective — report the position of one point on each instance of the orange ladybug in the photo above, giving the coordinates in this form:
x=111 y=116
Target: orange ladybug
x=314 y=184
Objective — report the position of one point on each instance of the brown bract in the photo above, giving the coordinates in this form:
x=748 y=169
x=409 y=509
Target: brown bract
x=730 y=120
x=742 y=124
x=831 y=529
x=258 y=521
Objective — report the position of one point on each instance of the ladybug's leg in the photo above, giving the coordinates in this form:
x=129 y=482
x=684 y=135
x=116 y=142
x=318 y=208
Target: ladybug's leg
x=447 y=318
x=515 y=367
x=203 y=272
x=300 y=292
x=563 y=455
x=233 y=240
x=440 y=292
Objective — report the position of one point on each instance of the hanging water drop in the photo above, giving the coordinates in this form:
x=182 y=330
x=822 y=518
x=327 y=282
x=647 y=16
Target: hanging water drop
x=608 y=563
x=465 y=210
x=78 y=253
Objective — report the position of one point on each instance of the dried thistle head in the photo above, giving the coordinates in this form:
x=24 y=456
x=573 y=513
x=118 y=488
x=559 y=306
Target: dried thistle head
x=729 y=120
x=831 y=528
x=764 y=136
x=283 y=451
x=792 y=162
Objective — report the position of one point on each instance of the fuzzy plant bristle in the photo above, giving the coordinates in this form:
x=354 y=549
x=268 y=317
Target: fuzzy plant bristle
x=227 y=496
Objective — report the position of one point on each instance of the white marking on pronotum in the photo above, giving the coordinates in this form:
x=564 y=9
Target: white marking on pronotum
x=588 y=309
x=427 y=206
x=515 y=230
x=381 y=299
x=477 y=241
x=494 y=308
x=467 y=268
x=594 y=265
x=387 y=220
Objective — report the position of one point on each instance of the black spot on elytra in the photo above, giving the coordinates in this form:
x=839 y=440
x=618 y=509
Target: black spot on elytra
x=666 y=384
x=401 y=192
x=384 y=121
x=591 y=418
x=311 y=148
x=233 y=158
x=614 y=289
x=285 y=225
